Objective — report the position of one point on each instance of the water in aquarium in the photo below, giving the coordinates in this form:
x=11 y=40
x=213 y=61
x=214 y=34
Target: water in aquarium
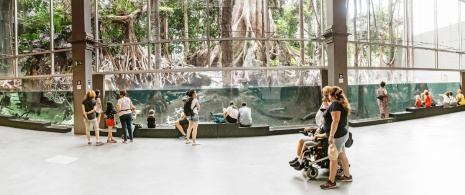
x=274 y=106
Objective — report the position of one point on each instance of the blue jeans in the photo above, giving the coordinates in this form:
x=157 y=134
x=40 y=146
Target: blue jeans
x=126 y=124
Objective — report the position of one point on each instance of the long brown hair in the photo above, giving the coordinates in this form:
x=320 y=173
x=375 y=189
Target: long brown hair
x=90 y=95
x=339 y=96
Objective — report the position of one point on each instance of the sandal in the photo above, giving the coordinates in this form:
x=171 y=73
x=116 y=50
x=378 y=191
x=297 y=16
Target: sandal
x=89 y=143
x=113 y=140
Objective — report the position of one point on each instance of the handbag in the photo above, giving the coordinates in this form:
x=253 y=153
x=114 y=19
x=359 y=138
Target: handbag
x=349 y=141
x=333 y=154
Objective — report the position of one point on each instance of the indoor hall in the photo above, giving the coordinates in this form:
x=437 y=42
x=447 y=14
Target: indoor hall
x=420 y=156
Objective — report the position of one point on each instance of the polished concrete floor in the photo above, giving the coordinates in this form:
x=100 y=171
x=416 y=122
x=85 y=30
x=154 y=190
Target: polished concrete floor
x=424 y=156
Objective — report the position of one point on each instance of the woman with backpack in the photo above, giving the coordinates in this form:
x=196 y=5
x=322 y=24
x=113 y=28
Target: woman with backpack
x=191 y=110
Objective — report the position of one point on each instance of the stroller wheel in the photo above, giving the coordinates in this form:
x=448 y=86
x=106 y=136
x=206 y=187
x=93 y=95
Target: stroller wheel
x=312 y=172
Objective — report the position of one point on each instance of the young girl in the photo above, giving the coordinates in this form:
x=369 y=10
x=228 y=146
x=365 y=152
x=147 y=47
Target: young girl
x=110 y=115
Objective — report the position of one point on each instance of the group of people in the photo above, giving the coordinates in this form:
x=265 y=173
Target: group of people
x=333 y=124
x=243 y=116
x=424 y=99
x=92 y=111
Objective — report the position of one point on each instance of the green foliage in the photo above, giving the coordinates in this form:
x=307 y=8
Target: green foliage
x=286 y=20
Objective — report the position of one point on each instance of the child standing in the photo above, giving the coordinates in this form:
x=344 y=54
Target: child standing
x=151 y=119
x=110 y=115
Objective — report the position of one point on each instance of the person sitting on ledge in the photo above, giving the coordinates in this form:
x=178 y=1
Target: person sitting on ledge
x=182 y=121
x=230 y=114
x=460 y=98
x=418 y=101
x=151 y=119
x=245 y=116
x=446 y=101
x=427 y=99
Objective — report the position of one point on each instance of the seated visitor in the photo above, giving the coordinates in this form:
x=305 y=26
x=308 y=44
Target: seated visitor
x=422 y=98
x=230 y=114
x=418 y=101
x=245 y=116
x=460 y=99
x=182 y=121
x=453 y=101
x=427 y=99
x=307 y=141
x=446 y=101
x=151 y=119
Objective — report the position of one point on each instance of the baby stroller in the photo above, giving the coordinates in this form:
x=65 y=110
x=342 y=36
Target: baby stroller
x=315 y=157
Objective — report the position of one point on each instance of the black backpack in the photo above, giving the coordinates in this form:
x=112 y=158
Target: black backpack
x=187 y=108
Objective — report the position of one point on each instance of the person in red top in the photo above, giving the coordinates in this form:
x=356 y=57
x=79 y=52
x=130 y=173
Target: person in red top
x=418 y=102
x=427 y=99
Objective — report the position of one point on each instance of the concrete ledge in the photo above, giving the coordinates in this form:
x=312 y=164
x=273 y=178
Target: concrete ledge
x=5 y=119
x=288 y=129
x=233 y=130
x=370 y=121
x=37 y=125
x=402 y=116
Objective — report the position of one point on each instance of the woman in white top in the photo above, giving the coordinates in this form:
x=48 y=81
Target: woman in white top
x=125 y=115
x=446 y=97
x=194 y=119
x=98 y=105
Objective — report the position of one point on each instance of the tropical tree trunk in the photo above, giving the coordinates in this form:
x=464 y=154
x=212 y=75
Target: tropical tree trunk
x=156 y=21
x=186 y=30
x=227 y=53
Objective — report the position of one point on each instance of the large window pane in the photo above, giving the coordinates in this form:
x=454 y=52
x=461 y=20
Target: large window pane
x=295 y=91
x=123 y=21
x=6 y=67
x=387 y=21
x=448 y=60
x=424 y=58
x=423 y=23
x=33 y=26
x=387 y=56
x=62 y=23
x=357 y=10
x=402 y=85
x=357 y=55
x=63 y=62
x=6 y=29
x=34 y=65
x=448 y=31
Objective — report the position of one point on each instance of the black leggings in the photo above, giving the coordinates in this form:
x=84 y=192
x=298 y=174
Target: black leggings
x=231 y=120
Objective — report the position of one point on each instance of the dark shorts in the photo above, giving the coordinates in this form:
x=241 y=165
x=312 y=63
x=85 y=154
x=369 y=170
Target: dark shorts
x=231 y=120
x=183 y=121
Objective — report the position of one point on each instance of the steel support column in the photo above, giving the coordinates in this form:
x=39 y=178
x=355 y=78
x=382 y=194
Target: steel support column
x=82 y=58
x=336 y=40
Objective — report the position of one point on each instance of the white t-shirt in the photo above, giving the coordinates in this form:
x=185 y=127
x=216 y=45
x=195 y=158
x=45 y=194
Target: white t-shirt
x=245 y=115
x=193 y=107
x=446 y=99
x=99 y=105
x=124 y=105
x=232 y=112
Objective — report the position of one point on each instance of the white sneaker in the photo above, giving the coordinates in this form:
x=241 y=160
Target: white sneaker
x=195 y=144
x=188 y=142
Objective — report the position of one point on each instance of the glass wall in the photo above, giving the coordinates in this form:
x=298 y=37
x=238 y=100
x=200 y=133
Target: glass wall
x=267 y=47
